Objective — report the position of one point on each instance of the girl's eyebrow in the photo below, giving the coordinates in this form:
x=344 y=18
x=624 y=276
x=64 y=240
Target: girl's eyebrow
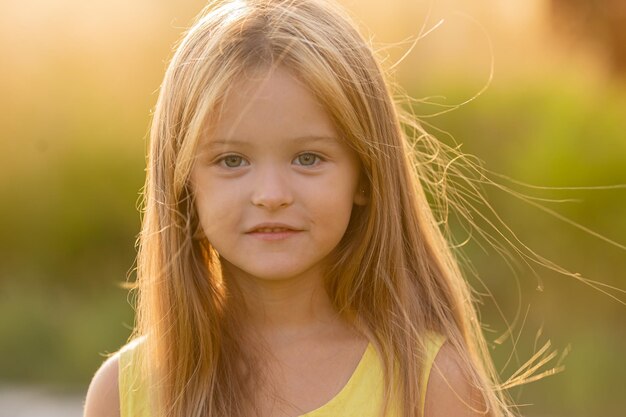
x=300 y=139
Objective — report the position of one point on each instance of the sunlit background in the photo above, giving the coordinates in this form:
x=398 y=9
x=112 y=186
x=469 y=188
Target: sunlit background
x=543 y=88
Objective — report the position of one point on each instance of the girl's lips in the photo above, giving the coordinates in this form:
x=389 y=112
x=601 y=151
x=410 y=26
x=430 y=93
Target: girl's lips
x=271 y=227
x=273 y=236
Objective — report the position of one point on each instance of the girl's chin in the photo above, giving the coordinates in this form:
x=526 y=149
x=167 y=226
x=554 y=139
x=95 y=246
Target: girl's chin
x=269 y=276
x=269 y=272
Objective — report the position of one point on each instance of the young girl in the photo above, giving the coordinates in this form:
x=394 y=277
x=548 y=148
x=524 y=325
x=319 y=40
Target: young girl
x=289 y=262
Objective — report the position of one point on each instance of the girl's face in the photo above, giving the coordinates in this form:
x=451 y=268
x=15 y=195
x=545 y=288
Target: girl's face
x=274 y=184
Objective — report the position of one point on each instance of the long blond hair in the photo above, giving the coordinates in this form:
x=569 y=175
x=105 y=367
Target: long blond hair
x=394 y=275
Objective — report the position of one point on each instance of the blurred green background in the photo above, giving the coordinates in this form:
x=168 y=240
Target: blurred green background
x=78 y=81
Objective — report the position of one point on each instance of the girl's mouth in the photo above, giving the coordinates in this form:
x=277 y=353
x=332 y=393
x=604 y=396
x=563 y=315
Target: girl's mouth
x=273 y=233
x=272 y=230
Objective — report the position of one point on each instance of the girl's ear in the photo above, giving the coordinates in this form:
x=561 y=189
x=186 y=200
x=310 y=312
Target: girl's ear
x=360 y=197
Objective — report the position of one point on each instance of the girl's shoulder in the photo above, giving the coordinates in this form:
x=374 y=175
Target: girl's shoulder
x=133 y=387
x=105 y=396
x=129 y=354
x=449 y=390
x=433 y=343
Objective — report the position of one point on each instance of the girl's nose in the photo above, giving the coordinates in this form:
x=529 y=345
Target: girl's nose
x=271 y=191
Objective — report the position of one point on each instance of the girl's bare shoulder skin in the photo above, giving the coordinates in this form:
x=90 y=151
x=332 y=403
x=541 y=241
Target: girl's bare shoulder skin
x=449 y=392
x=103 y=394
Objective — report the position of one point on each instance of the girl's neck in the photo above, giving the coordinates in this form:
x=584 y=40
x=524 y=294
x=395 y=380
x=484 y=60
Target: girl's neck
x=285 y=310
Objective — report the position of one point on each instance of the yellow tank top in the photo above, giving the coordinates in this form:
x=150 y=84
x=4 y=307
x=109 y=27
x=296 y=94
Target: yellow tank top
x=362 y=396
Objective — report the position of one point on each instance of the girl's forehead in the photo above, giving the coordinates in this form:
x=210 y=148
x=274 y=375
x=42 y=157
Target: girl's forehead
x=266 y=84
x=276 y=103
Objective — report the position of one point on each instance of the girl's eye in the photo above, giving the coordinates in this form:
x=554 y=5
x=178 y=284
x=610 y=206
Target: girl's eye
x=307 y=159
x=232 y=161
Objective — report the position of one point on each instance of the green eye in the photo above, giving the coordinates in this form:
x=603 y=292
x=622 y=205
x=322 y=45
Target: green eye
x=232 y=161
x=307 y=159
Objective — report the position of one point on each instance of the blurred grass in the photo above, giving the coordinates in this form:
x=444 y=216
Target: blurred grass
x=56 y=336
